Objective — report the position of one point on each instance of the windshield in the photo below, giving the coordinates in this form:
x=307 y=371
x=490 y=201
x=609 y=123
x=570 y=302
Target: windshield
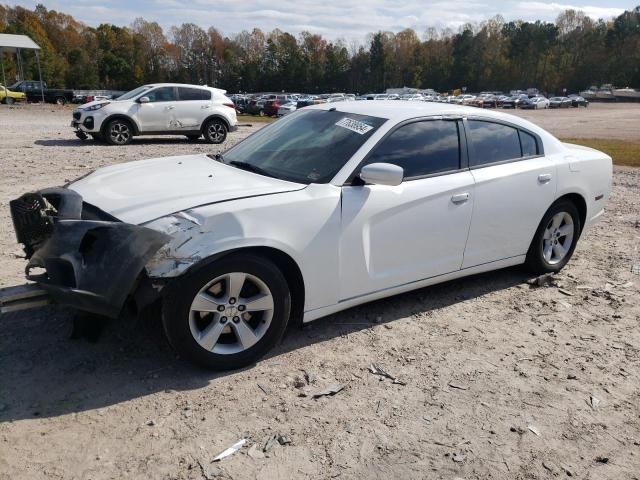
x=134 y=93
x=308 y=146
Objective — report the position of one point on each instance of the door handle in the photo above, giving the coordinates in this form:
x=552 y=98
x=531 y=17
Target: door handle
x=205 y=106
x=544 y=178
x=171 y=107
x=460 y=198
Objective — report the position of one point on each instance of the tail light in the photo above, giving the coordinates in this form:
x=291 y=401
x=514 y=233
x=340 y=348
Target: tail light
x=229 y=104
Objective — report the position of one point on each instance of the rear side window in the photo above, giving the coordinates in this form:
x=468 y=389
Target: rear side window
x=193 y=94
x=492 y=142
x=421 y=148
x=529 y=144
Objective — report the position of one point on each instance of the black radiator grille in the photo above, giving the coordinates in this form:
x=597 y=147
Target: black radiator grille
x=31 y=220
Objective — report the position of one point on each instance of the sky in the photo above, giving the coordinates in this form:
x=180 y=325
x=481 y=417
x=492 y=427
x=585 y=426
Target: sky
x=350 y=20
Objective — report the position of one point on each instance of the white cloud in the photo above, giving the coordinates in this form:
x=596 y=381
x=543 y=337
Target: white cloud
x=595 y=12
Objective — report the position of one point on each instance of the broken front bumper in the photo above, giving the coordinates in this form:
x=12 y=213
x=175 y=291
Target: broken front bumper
x=82 y=256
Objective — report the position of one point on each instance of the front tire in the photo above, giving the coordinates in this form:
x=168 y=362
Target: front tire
x=118 y=132
x=215 y=131
x=9 y=100
x=555 y=239
x=61 y=100
x=228 y=314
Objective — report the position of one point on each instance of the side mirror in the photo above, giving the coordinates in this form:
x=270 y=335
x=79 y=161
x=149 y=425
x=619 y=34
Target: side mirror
x=382 y=174
x=143 y=100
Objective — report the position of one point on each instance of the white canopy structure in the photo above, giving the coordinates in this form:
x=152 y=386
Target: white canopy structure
x=14 y=44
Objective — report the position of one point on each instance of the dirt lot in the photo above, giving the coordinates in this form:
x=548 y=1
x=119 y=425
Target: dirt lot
x=503 y=380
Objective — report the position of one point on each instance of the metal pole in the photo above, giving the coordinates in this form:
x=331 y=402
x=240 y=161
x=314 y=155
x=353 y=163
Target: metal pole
x=20 y=64
x=4 y=79
x=40 y=74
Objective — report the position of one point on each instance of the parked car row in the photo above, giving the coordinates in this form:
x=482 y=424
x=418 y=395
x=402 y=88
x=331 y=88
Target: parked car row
x=514 y=100
x=273 y=105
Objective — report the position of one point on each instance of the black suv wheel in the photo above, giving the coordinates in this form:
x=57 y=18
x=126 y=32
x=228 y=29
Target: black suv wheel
x=118 y=132
x=214 y=131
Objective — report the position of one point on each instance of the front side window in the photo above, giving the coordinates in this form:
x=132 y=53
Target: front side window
x=309 y=146
x=162 y=94
x=492 y=142
x=421 y=148
x=193 y=94
x=133 y=93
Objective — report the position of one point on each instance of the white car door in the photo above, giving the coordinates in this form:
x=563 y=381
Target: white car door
x=157 y=114
x=192 y=107
x=418 y=229
x=515 y=183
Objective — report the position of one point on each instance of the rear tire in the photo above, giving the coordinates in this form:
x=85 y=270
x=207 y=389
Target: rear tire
x=9 y=100
x=555 y=239
x=213 y=318
x=118 y=132
x=214 y=131
x=60 y=100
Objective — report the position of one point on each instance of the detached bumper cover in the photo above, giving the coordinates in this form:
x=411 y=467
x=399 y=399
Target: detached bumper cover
x=83 y=257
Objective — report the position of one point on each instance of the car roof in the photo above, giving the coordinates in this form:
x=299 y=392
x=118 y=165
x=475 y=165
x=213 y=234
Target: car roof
x=190 y=85
x=397 y=112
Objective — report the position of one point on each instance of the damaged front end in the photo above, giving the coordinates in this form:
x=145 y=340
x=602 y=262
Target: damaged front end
x=82 y=256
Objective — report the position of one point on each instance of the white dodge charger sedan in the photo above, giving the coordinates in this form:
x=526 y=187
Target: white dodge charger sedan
x=332 y=206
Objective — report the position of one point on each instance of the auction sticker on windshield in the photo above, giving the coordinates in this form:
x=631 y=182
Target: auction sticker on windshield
x=354 y=125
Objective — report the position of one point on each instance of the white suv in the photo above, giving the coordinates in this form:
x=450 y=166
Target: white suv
x=158 y=109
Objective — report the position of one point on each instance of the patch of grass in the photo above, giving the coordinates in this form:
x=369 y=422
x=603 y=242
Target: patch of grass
x=623 y=152
x=242 y=118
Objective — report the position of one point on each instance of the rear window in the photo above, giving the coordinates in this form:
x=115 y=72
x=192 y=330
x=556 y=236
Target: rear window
x=185 y=93
x=493 y=142
x=529 y=144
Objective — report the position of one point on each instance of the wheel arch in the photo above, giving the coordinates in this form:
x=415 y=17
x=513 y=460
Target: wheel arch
x=216 y=116
x=580 y=203
x=285 y=263
x=119 y=116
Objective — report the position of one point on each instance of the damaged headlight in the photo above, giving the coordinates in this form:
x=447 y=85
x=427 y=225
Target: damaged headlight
x=95 y=107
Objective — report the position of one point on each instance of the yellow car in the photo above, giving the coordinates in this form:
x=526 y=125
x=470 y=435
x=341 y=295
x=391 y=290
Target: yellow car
x=9 y=97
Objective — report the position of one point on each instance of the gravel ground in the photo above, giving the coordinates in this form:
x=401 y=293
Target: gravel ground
x=503 y=380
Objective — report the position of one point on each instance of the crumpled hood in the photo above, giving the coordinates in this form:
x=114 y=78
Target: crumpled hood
x=138 y=192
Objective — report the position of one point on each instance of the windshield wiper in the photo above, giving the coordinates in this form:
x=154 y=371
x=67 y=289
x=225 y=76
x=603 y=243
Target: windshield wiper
x=216 y=156
x=250 y=168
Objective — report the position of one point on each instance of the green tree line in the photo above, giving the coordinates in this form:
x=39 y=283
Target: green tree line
x=573 y=52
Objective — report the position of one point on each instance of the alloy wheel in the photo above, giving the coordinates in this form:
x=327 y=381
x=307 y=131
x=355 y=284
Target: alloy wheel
x=231 y=313
x=558 y=238
x=120 y=133
x=216 y=132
